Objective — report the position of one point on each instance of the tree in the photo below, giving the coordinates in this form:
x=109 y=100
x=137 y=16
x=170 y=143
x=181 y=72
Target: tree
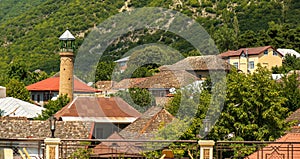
x=104 y=71
x=17 y=89
x=53 y=106
x=254 y=108
x=290 y=87
x=139 y=98
x=17 y=70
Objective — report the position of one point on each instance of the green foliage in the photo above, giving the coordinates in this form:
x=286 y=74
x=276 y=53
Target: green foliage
x=53 y=106
x=20 y=71
x=139 y=98
x=144 y=61
x=17 y=89
x=82 y=153
x=29 y=29
x=290 y=88
x=254 y=108
x=290 y=62
x=104 y=71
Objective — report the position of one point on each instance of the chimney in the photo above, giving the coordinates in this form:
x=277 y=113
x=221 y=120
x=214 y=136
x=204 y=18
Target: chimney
x=2 y=92
x=66 y=79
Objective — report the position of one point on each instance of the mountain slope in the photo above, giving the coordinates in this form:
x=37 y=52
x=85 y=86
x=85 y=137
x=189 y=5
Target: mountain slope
x=29 y=30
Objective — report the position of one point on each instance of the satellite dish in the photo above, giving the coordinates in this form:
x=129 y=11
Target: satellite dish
x=172 y=90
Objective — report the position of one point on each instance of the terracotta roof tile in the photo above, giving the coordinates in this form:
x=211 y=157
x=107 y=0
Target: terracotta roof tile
x=128 y=83
x=148 y=124
x=251 y=51
x=52 y=84
x=168 y=79
x=97 y=107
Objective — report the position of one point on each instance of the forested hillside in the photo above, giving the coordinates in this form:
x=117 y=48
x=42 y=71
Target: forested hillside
x=29 y=29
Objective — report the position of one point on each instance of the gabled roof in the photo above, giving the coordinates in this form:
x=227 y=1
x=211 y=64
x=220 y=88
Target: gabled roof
x=52 y=84
x=168 y=79
x=199 y=63
x=98 y=109
x=128 y=83
x=250 y=51
x=14 y=107
x=148 y=124
x=22 y=128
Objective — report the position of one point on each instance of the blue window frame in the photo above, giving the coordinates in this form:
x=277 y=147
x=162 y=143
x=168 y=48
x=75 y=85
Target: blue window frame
x=251 y=64
x=236 y=65
x=266 y=52
x=275 y=53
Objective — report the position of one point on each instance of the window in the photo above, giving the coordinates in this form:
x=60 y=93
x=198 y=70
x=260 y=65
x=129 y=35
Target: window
x=275 y=53
x=251 y=64
x=99 y=133
x=236 y=65
x=243 y=55
x=38 y=98
x=32 y=97
x=266 y=52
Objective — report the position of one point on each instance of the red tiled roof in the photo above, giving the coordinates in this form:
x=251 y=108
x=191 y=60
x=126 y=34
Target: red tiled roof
x=251 y=51
x=52 y=84
x=284 y=146
x=97 y=107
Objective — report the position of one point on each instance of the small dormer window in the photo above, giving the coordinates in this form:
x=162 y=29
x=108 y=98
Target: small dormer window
x=243 y=54
x=275 y=53
x=266 y=52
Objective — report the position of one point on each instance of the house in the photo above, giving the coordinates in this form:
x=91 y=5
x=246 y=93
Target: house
x=108 y=114
x=246 y=59
x=45 y=90
x=161 y=84
x=201 y=66
x=144 y=128
x=13 y=107
x=122 y=63
x=291 y=52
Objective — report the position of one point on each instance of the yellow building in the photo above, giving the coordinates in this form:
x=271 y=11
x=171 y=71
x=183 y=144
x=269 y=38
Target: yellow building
x=246 y=59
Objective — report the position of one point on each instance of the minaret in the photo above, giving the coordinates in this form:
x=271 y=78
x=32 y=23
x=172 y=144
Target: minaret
x=66 y=64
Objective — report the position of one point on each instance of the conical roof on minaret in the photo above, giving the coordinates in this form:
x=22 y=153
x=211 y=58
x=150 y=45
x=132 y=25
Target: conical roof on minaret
x=67 y=36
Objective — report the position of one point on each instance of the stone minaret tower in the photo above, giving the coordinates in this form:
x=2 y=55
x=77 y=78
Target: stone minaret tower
x=66 y=64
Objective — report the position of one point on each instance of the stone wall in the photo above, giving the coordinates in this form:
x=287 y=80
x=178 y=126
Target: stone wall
x=23 y=128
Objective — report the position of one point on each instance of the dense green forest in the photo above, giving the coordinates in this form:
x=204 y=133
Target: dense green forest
x=29 y=30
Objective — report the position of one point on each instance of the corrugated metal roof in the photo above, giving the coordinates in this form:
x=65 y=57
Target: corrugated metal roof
x=289 y=51
x=17 y=108
x=67 y=36
x=123 y=59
